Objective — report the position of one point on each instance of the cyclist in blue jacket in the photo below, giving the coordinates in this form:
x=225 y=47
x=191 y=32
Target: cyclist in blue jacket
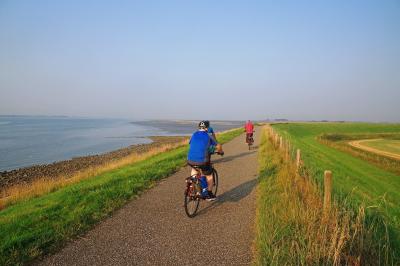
x=198 y=157
x=210 y=130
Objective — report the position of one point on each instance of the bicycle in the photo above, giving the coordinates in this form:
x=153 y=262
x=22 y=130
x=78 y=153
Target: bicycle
x=249 y=140
x=193 y=191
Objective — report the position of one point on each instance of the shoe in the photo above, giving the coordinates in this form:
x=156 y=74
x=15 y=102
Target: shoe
x=210 y=196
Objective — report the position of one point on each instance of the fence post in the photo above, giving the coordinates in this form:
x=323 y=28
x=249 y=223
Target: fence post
x=287 y=150
x=298 y=159
x=327 y=190
x=280 y=143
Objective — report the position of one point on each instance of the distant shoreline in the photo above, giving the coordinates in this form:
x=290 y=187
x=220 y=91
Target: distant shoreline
x=66 y=168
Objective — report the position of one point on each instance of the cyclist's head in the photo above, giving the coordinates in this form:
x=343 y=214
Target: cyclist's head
x=202 y=125
x=207 y=123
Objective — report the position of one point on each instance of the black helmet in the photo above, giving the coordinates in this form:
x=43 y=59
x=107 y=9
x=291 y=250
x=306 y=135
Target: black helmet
x=207 y=123
x=202 y=125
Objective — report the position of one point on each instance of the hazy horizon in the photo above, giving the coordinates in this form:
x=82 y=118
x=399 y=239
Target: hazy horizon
x=220 y=60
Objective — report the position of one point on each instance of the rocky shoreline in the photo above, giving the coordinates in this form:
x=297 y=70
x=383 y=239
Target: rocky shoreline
x=70 y=167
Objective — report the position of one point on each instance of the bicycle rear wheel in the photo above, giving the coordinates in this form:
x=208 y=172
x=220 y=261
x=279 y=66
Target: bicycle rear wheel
x=191 y=201
x=215 y=180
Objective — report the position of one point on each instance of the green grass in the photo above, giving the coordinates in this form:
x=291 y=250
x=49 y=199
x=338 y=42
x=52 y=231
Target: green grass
x=37 y=226
x=354 y=178
x=293 y=230
x=387 y=145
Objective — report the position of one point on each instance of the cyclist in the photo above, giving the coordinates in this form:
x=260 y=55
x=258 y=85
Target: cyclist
x=249 y=128
x=211 y=133
x=198 y=157
x=210 y=130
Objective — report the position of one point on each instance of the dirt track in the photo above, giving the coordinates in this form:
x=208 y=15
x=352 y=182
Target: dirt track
x=154 y=229
x=358 y=144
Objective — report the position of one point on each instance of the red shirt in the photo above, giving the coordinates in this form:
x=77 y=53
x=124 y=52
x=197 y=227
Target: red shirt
x=249 y=127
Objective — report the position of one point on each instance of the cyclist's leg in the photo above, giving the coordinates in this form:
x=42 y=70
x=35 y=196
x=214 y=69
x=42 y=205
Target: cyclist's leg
x=194 y=171
x=195 y=168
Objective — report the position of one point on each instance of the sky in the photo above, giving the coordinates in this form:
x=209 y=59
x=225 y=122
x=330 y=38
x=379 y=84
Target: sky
x=234 y=60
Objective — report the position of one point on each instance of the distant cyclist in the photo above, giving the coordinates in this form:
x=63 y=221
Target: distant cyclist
x=210 y=130
x=198 y=157
x=249 y=128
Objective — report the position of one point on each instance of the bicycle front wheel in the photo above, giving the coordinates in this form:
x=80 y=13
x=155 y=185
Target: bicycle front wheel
x=215 y=181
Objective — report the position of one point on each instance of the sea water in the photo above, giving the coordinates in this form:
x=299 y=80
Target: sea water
x=30 y=140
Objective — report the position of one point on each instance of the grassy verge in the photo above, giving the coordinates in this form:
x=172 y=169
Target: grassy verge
x=355 y=181
x=293 y=230
x=36 y=226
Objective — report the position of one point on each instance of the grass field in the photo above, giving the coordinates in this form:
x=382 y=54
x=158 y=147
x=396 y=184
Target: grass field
x=388 y=145
x=293 y=230
x=36 y=226
x=356 y=181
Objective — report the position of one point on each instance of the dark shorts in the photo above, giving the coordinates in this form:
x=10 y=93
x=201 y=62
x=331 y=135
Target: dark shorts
x=206 y=169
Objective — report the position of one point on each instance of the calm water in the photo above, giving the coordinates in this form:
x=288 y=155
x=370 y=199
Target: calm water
x=25 y=141
x=29 y=140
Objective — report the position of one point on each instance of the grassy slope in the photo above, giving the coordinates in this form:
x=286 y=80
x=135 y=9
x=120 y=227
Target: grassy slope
x=364 y=181
x=35 y=227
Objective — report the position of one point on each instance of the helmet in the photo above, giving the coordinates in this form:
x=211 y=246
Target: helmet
x=207 y=123
x=202 y=125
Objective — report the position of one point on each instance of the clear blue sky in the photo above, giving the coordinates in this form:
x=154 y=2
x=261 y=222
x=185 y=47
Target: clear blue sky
x=201 y=59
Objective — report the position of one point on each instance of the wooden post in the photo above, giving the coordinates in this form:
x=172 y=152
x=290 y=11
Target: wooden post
x=287 y=150
x=298 y=159
x=327 y=190
x=280 y=143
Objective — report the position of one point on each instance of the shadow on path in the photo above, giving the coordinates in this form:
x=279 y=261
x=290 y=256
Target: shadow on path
x=233 y=157
x=233 y=195
x=254 y=147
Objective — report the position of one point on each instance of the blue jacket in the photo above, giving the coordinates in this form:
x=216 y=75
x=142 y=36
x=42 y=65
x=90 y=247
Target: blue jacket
x=200 y=143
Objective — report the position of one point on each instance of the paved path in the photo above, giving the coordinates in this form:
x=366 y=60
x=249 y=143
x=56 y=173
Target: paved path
x=154 y=229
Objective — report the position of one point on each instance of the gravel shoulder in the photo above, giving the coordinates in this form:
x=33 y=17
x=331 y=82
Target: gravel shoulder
x=359 y=144
x=154 y=229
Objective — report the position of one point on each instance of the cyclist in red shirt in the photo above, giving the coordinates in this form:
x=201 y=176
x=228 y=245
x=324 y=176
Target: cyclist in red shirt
x=249 y=128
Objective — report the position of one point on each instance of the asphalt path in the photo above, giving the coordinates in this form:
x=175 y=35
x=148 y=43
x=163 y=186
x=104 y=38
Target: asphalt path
x=154 y=229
